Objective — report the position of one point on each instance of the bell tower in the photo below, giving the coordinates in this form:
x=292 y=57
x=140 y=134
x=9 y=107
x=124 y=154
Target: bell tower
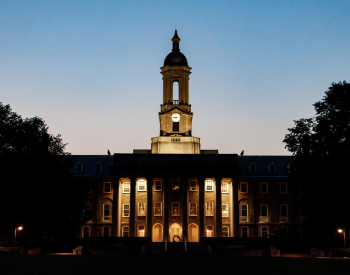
x=175 y=114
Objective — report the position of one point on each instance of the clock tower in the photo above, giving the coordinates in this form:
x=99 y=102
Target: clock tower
x=175 y=114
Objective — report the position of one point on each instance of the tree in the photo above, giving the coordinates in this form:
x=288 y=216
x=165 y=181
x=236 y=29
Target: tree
x=321 y=150
x=37 y=189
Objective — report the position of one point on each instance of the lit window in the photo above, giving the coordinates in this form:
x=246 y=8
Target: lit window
x=244 y=213
x=283 y=187
x=272 y=167
x=142 y=185
x=98 y=167
x=158 y=209
x=107 y=212
x=126 y=187
x=252 y=167
x=244 y=187
x=86 y=232
x=210 y=231
x=106 y=231
x=244 y=231
x=176 y=209
x=126 y=210
x=224 y=187
x=264 y=232
x=263 y=213
x=225 y=232
x=125 y=231
x=263 y=187
x=107 y=187
x=225 y=210
x=210 y=209
x=193 y=185
x=176 y=185
x=158 y=185
x=193 y=209
x=141 y=231
x=209 y=185
x=79 y=167
x=141 y=209
x=283 y=213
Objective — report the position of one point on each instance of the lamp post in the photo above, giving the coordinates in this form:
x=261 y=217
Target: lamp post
x=343 y=231
x=19 y=229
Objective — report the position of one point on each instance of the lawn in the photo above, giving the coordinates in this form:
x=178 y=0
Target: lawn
x=168 y=264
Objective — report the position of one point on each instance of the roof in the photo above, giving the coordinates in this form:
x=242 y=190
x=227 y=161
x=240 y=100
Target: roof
x=262 y=163
x=89 y=162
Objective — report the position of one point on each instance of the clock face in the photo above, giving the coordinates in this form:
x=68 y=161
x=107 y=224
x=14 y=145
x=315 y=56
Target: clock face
x=175 y=117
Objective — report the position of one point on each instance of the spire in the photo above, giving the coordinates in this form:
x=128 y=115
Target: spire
x=176 y=42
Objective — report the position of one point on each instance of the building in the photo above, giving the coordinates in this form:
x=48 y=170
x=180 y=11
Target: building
x=176 y=191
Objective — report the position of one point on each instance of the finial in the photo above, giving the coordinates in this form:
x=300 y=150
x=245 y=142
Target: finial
x=176 y=41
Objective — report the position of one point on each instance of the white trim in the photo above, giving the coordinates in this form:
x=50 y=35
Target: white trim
x=138 y=209
x=246 y=184
x=192 y=188
x=104 y=187
x=224 y=187
x=244 y=218
x=141 y=186
x=126 y=187
x=155 y=185
x=109 y=216
x=126 y=209
x=209 y=186
x=282 y=183
x=226 y=212
x=125 y=231
x=209 y=205
x=159 y=207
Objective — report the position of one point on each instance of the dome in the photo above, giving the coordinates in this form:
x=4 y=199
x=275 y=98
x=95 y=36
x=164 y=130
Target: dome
x=176 y=58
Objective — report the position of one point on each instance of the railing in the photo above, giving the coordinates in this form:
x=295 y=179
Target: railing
x=263 y=219
x=283 y=219
x=176 y=102
x=244 y=219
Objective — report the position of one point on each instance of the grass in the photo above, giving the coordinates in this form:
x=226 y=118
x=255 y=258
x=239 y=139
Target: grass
x=168 y=264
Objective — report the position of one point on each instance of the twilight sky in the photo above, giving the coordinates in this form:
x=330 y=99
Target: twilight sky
x=90 y=69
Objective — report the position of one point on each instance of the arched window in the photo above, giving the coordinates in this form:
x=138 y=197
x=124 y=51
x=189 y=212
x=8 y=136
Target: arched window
x=272 y=167
x=225 y=232
x=126 y=231
x=252 y=167
x=210 y=231
x=176 y=91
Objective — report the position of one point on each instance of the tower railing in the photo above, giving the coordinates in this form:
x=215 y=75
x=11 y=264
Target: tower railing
x=176 y=102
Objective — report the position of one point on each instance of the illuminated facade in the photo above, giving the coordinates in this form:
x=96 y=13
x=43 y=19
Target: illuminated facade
x=178 y=191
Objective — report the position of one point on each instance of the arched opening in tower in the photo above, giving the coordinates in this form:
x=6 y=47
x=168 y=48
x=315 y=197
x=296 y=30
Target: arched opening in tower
x=176 y=91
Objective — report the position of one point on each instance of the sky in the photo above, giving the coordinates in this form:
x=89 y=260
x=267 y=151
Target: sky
x=91 y=69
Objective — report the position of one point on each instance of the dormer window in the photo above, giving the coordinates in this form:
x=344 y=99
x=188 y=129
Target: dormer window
x=272 y=167
x=252 y=167
x=79 y=167
x=98 y=167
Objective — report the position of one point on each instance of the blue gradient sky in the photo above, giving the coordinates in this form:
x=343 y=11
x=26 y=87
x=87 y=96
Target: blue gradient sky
x=90 y=69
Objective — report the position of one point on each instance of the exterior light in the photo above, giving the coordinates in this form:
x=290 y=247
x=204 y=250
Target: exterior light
x=20 y=227
x=344 y=236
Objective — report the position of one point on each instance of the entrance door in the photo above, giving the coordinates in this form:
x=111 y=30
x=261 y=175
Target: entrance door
x=157 y=233
x=193 y=233
x=175 y=229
